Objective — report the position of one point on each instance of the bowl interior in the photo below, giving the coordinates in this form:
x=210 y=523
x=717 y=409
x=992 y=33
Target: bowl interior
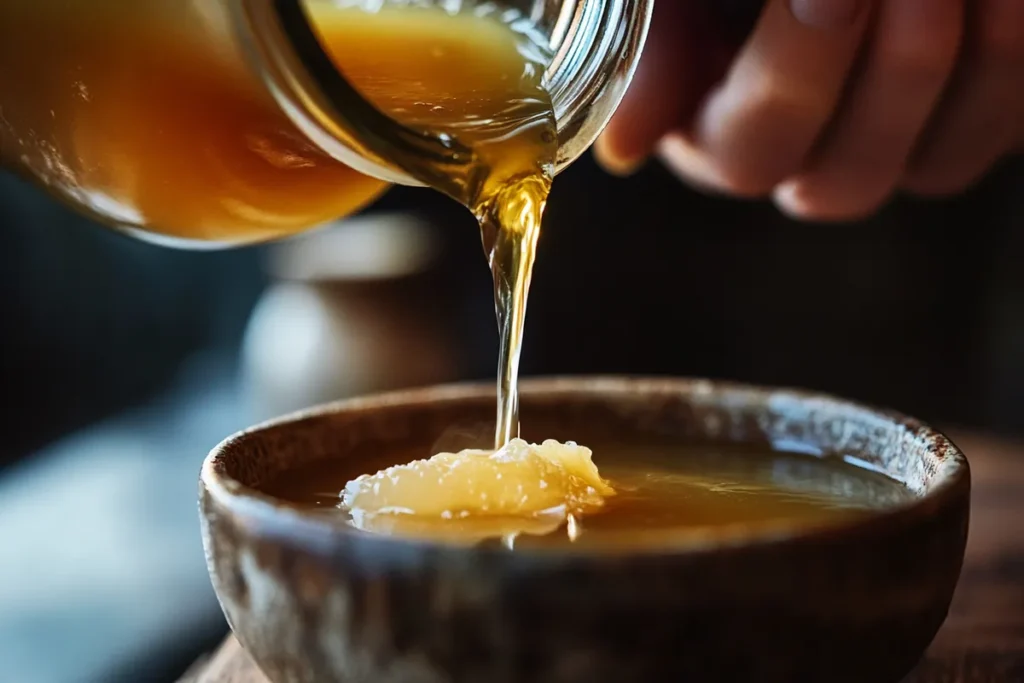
x=591 y=411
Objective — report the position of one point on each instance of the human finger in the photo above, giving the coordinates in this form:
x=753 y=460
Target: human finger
x=982 y=116
x=906 y=67
x=759 y=125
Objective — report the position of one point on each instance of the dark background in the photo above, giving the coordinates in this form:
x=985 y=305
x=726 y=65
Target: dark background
x=117 y=360
x=918 y=308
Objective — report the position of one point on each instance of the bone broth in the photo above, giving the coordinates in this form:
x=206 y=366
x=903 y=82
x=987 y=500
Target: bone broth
x=653 y=495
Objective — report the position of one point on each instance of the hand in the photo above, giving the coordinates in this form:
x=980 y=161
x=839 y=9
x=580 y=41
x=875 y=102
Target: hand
x=831 y=105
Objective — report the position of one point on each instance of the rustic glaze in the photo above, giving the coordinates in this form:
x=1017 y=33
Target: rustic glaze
x=314 y=601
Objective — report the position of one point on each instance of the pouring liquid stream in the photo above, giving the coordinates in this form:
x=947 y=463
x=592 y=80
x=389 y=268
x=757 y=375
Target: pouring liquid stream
x=477 y=78
x=511 y=229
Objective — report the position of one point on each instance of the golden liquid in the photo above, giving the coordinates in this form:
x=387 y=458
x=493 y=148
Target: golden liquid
x=144 y=113
x=139 y=113
x=667 y=495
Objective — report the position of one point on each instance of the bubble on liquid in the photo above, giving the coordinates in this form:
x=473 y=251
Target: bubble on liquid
x=82 y=91
x=283 y=150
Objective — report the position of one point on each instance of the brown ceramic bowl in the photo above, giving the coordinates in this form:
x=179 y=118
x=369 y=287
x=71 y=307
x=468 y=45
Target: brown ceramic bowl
x=314 y=601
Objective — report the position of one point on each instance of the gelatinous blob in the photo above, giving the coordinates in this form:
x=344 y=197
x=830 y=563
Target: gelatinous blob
x=476 y=494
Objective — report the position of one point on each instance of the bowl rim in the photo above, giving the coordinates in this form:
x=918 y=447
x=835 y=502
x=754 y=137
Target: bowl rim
x=953 y=480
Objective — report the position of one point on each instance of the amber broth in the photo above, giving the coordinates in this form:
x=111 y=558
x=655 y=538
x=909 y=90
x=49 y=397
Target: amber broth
x=666 y=495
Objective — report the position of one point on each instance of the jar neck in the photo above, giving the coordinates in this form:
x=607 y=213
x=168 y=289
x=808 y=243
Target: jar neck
x=596 y=46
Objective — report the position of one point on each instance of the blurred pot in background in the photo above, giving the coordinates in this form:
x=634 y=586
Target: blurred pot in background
x=351 y=311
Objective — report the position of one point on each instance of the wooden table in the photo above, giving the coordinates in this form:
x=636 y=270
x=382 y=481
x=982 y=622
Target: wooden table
x=982 y=641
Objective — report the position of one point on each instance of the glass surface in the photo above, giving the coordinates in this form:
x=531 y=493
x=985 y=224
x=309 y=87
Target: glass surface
x=191 y=122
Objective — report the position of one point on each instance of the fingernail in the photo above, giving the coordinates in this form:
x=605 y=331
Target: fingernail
x=826 y=14
x=787 y=198
x=612 y=161
x=679 y=156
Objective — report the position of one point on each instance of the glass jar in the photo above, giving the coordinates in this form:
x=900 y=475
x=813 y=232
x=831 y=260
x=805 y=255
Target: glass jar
x=215 y=122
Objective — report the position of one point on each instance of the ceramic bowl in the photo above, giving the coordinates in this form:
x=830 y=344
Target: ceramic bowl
x=314 y=601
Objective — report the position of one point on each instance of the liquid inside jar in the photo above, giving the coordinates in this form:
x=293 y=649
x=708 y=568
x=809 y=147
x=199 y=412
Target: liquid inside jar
x=147 y=115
